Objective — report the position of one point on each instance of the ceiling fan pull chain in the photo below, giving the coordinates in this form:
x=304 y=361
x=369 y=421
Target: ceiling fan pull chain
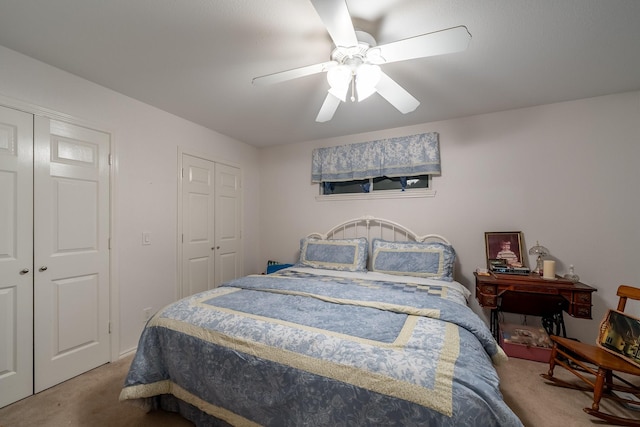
x=353 y=88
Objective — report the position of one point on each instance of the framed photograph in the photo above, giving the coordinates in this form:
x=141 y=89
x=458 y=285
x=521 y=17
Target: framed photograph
x=620 y=335
x=504 y=245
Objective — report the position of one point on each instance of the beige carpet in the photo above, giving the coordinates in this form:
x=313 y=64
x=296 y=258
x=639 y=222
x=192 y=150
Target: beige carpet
x=92 y=400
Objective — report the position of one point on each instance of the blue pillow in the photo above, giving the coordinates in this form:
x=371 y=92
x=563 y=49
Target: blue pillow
x=339 y=254
x=433 y=260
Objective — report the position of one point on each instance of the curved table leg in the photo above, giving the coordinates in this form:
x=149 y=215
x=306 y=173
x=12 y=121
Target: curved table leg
x=554 y=324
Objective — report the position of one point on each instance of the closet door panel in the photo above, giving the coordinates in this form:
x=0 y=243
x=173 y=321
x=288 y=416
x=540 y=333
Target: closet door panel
x=72 y=253
x=76 y=216
x=16 y=255
x=198 y=245
x=228 y=217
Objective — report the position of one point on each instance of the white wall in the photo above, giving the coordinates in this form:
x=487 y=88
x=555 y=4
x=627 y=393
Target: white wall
x=146 y=142
x=564 y=174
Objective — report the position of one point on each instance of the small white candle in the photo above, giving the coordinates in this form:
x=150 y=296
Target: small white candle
x=549 y=269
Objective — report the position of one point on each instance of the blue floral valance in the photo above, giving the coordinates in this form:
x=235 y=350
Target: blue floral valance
x=393 y=157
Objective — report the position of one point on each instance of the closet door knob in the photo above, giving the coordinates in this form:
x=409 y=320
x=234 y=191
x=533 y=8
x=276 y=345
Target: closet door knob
x=43 y=268
x=24 y=271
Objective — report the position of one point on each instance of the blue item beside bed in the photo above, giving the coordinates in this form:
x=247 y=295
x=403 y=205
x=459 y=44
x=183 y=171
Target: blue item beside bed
x=272 y=268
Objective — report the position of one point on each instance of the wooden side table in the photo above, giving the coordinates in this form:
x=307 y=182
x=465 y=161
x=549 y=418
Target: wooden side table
x=535 y=296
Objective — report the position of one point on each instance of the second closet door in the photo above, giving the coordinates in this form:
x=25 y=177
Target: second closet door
x=211 y=224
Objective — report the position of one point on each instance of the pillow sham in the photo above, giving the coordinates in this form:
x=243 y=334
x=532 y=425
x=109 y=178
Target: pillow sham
x=338 y=254
x=433 y=260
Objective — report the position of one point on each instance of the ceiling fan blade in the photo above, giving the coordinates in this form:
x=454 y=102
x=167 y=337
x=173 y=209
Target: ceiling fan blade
x=293 y=74
x=335 y=16
x=396 y=95
x=451 y=40
x=328 y=109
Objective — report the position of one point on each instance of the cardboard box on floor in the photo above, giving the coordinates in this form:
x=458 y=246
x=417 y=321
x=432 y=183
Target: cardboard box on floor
x=525 y=342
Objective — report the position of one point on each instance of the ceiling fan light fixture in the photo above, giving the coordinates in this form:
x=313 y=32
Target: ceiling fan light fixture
x=339 y=79
x=364 y=91
x=367 y=77
x=339 y=76
x=340 y=93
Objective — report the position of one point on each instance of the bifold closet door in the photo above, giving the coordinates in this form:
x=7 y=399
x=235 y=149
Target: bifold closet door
x=16 y=255
x=54 y=252
x=211 y=238
x=71 y=251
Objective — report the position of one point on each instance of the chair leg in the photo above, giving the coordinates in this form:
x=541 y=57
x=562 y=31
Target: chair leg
x=552 y=359
x=604 y=380
x=608 y=385
x=598 y=387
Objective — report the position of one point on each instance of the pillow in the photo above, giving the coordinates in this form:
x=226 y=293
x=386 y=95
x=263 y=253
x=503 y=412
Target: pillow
x=433 y=260
x=339 y=254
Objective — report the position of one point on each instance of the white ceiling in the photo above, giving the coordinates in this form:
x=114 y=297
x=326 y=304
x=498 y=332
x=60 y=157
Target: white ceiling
x=196 y=58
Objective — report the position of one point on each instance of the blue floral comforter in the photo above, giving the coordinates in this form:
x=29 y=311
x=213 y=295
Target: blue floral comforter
x=298 y=348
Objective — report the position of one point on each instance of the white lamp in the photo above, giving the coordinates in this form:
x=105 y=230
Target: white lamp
x=540 y=252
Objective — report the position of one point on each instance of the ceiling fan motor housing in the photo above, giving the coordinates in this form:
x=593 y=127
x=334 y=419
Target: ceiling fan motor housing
x=353 y=56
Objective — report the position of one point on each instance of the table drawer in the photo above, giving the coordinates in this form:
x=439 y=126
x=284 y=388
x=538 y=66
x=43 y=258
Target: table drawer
x=582 y=298
x=487 y=289
x=580 y=311
x=487 y=301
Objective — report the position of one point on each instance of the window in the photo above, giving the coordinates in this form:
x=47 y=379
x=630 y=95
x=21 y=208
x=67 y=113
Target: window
x=375 y=185
x=387 y=168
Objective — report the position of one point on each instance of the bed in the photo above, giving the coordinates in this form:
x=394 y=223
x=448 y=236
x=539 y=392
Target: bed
x=367 y=328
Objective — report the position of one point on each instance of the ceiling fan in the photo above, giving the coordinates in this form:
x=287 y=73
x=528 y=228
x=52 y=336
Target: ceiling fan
x=356 y=59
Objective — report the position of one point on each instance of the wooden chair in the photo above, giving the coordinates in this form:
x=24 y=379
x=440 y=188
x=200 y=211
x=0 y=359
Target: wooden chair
x=597 y=368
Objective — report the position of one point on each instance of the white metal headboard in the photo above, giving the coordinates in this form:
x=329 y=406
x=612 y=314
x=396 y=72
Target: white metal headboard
x=372 y=227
